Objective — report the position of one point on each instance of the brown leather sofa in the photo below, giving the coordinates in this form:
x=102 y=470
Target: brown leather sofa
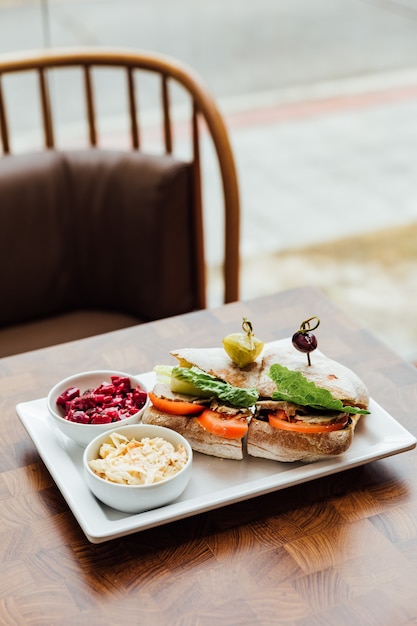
x=91 y=241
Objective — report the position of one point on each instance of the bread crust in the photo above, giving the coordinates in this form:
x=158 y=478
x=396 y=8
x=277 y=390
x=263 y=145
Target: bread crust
x=199 y=438
x=267 y=442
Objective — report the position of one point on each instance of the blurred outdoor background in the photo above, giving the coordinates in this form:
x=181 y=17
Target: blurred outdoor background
x=320 y=98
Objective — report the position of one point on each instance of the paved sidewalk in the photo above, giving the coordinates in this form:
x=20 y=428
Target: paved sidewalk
x=318 y=170
x=329 y=198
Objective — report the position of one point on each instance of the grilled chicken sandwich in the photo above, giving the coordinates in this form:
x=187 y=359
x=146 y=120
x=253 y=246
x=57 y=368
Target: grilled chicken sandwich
x=278 y=406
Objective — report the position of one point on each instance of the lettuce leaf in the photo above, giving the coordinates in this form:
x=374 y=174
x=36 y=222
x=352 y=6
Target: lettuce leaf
x=163 y=374
x=294 y=387
x=223 y=391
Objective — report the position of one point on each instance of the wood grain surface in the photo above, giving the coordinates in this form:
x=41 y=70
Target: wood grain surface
x=339 y=550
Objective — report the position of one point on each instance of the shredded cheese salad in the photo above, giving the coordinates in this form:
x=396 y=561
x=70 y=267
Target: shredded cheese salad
x=133 y=462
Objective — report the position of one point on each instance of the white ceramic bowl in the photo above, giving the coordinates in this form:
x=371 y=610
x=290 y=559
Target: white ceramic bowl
x=138 y=498
x=84 y=433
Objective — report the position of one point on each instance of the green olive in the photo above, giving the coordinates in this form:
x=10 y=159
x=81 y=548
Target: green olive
x=243 y=348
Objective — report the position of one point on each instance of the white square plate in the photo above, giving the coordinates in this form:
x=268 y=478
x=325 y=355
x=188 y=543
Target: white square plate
x=214 y=482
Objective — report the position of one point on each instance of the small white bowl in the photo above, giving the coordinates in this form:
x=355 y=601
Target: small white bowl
x=84 y=433
x=138 y=498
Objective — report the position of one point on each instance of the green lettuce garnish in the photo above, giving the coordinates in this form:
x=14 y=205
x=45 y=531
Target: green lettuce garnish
x=294 y=387
x=223 y=391
x=163 y=374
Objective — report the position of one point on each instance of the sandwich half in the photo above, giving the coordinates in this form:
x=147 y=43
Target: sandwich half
x=195 y=400
x=304 y=412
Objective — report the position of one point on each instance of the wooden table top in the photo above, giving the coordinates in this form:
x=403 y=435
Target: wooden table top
x=338 y=550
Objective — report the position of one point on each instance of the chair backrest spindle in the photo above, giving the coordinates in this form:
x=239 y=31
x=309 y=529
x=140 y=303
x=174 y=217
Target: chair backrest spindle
x=167 y=115
x=134 y=127
x=46 y=109
x=4 y=133
x=89 y=94
x=198 y=213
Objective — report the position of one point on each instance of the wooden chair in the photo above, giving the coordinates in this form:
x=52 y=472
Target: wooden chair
x=132 y=172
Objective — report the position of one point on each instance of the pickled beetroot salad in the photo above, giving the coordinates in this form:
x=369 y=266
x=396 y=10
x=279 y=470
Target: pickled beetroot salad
x=109 y=402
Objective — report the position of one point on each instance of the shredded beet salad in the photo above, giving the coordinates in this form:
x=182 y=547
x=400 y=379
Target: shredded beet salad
x=110 y=402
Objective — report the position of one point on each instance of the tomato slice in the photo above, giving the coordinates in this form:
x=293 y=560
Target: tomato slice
x=227 y=427
x=175 y=407
x=279 y=420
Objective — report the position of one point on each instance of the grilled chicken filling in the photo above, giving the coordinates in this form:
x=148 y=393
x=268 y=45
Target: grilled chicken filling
x=164 y=391
x=295 y=412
